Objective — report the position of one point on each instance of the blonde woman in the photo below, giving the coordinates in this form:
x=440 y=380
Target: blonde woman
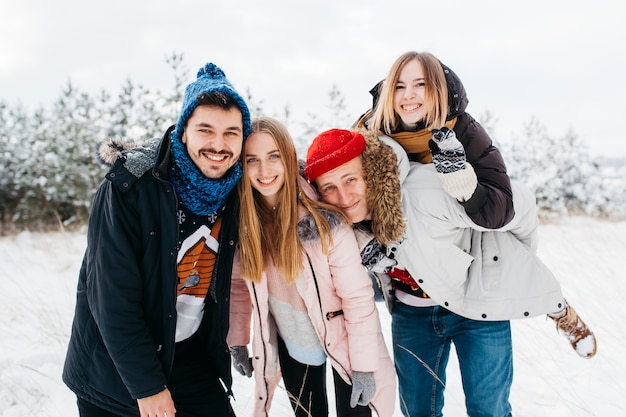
x=421 y=105
x=298 y=272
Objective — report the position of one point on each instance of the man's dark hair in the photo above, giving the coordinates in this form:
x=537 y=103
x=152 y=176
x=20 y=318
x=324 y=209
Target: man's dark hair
x=217 y=98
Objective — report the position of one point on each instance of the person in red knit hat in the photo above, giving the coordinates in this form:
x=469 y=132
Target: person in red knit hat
x=446 y=279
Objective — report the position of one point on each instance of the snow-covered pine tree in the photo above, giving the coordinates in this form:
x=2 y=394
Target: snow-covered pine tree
x=49 y=165
x=560 y=171
x=59 y=176
x=14 y=124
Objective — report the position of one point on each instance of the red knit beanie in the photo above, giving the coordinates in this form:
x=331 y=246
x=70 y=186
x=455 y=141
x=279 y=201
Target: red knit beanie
x=331 y=149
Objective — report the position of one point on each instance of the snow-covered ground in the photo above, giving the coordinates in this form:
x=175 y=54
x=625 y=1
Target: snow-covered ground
x=37 y=289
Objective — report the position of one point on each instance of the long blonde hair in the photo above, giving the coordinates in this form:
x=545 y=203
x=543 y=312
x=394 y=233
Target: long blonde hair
x=385 y=120
x=266 y=233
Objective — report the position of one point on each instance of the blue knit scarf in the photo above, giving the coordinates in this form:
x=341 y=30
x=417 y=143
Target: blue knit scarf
x=200 y=194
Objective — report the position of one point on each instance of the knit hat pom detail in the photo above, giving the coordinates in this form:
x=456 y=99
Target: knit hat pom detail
x=210 y=78
x=211 y=70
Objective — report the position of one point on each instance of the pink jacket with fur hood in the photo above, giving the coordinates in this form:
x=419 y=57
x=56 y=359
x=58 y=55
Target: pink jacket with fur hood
x=331 y=283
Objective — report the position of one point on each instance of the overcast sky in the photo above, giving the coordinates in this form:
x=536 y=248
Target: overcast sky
x=561 y=62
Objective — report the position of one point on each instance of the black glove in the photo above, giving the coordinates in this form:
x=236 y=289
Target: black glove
x=242 y=362
x=363 y=388
x=448 y=152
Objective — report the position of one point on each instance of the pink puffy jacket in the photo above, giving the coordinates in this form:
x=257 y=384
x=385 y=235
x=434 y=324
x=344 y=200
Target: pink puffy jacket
x=329 y=284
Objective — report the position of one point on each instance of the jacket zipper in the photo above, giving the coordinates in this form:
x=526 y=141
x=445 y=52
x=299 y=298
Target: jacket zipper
x=170 y=187
x=330 y=315
x=258 y=311
x=333 y=314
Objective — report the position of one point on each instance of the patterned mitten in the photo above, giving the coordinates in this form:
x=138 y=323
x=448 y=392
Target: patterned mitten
x=374 y=258
x=377 y=263
x=458 y=177
x=448 y=153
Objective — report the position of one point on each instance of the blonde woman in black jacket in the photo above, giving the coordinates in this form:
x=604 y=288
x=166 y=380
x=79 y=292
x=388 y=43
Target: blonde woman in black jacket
x=421 y=104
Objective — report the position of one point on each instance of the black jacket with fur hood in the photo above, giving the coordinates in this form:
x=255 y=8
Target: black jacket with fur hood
x=122 y=342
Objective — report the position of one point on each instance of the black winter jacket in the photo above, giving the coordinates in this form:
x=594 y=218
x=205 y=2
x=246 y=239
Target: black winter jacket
x=122 y=342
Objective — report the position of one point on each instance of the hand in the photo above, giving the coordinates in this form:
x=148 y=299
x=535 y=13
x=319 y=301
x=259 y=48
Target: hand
x=363 y=388
x=448 y=152
x=242 y=362
x=457 y=176
x=374 y=257
x=159 y=405
x=446 y=140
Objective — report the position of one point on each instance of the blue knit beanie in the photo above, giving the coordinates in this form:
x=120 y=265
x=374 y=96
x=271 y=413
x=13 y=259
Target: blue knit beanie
x=209 y=78
x=200 y=194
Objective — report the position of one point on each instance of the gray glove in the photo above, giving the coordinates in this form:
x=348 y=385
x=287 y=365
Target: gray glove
x=242 y=362
x=448 y=152
x=363 y=388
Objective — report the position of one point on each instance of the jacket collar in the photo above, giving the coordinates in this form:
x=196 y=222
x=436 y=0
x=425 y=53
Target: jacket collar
x=163 y=159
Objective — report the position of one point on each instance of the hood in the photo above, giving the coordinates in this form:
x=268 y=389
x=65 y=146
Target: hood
x=138 y=158
x=307 y=229
x=382 y=176
x=457 y=97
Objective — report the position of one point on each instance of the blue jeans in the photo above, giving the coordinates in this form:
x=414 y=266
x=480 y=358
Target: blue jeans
x=485 y=354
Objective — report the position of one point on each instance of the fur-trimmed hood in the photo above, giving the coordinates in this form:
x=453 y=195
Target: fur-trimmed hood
x=138 y=157
x=384 y=199
x=308 y=231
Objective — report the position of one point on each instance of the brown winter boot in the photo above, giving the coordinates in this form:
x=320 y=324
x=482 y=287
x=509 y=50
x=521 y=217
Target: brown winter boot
x=570 y=325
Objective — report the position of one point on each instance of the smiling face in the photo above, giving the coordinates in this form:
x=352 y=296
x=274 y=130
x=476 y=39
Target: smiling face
x=344 y=187
x=264 y=166
x=409 y=99
x=213 y=137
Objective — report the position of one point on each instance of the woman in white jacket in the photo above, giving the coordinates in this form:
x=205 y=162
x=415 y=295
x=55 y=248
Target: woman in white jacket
x=299 y=273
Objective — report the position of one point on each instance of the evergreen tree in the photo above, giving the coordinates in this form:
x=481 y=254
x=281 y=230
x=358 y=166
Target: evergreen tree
x=56 y=178
x=560 y=171
x=13 y=136
x=49 y=169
